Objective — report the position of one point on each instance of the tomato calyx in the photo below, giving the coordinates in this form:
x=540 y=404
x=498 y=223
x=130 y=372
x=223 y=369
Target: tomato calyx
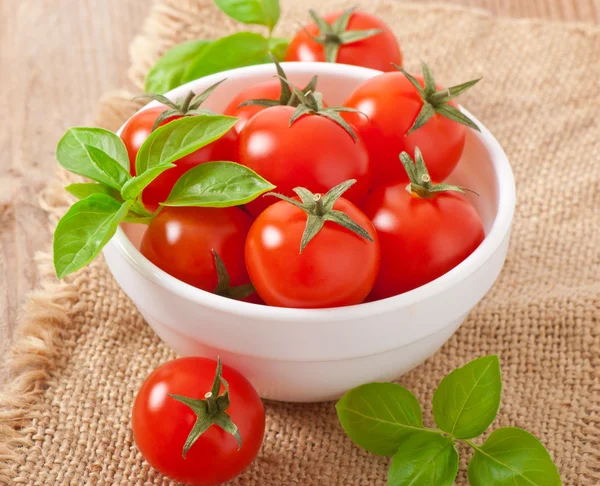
x=287 y=96
x=332 y=36
x=436 y=101
x=210 y=411
x=320 y=209
x=311 y=103
x=420 y=184
x=187 y=106
x=223 y=288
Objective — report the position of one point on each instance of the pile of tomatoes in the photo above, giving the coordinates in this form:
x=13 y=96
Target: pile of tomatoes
x=292 y=138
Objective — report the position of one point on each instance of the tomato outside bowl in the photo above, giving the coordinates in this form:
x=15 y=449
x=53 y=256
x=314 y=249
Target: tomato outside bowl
x=308 y=355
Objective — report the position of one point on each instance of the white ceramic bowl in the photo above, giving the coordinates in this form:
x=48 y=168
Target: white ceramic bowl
x=304 y=355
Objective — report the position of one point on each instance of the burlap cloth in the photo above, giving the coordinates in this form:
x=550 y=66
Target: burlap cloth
x=83 y=350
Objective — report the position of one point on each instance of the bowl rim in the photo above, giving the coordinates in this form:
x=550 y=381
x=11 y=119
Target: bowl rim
x=500 y=227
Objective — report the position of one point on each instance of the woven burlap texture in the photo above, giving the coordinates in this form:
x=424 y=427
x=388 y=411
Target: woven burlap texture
x=82 y=350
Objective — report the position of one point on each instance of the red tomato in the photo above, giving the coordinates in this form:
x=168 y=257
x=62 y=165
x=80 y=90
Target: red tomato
x=420 y=238
x=314 y=152
x=180 y=240
x=138 y=129
x=392 y=104
x=376 y=52
x=269 y=90
x=337 y=268
x=162 y=424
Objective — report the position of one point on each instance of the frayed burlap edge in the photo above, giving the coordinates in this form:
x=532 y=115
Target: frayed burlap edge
x=38 y=337
x=36 y=343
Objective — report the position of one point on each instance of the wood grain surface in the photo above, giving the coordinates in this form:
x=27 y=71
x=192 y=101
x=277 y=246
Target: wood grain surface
x=57 y=57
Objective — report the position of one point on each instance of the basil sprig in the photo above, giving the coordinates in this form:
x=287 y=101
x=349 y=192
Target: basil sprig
x=386 y=419
x=115 y=196
x=195 y=59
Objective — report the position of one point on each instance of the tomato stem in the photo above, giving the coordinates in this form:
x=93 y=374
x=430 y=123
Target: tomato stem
x=287 y=97
x=211 y=403
x=311 y=103
x=210 y=411
x=332 y=36
x=189 y=105
x=420 y=184
x=223 y=287
x=435 y=101
x=320 y=209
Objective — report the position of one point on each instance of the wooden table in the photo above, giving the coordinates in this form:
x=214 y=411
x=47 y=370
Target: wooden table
x=57 y=57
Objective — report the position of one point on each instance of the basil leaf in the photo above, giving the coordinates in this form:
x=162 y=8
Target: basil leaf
x=84 y=230
x=378 y=416
x=467 y=400
x=95 y=153
x=169 y=70
x=85 y=189
x=424 y=459
x=514 y=457
x=258 y=12
x=234 y=51
x=278 y=47
x=171 y=142
x=217 y=185
x=115 y=174
x=137 y=184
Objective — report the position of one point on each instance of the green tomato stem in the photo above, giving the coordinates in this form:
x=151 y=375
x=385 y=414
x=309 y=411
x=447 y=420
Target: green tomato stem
x=211 y=403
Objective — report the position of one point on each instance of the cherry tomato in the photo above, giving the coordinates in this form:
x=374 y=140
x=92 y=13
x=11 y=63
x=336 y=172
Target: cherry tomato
x=269 y=90
x=336 y=268
x=376 y=52
x=392 y=104
x=420 y=238
x=161 y=424
x=180 y=240
x=138 y=129
x=314 y=152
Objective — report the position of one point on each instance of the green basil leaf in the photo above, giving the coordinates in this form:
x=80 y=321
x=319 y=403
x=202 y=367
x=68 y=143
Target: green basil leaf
x=467 y=400
x=85 y=189
x=378 y=416
x=115 y=174
x=278 y=47
x=95 y=153
x=258 y=12
x=134 y=187
x=512 y=457
x=424 y=459
x=217 y=185
x=171 y=142
x=234 y=51
x=169 y=70
x=84 y=230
